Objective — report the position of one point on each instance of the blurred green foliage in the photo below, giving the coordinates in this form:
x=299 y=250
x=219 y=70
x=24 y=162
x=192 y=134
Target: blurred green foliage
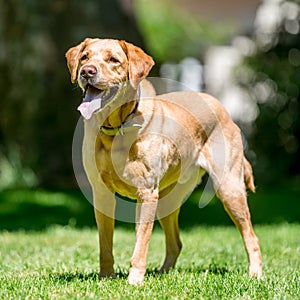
x=273 y=81
x=39 y=209
x=171 y=34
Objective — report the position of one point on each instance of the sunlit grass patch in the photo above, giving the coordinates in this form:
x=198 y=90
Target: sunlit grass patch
x=62 y=263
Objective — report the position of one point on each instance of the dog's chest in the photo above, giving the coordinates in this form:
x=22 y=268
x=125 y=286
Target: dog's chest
x=112 y=156
x=127 y=163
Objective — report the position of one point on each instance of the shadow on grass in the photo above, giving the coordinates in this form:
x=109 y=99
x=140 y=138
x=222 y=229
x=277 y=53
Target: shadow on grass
x=74 y=276
x=39 y=209
x=80 y=276
x=67 y=277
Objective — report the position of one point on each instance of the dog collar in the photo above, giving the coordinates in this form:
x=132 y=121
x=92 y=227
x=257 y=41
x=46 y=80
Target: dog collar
x=124 y=128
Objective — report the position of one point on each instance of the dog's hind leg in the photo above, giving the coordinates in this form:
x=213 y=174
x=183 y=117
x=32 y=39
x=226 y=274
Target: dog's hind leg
x=224 y=160
x=229 y=183
x=173 y=243
x=233 y=195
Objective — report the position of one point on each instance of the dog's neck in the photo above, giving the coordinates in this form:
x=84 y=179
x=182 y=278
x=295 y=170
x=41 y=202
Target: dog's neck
x=117 y=118
x=110 y=120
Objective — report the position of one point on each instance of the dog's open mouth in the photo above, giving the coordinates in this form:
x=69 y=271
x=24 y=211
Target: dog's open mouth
x=94 y=99
x=91 y=93
x=91 y=102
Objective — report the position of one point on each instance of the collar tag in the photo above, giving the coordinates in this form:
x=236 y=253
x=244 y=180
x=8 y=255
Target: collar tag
x=110 y=131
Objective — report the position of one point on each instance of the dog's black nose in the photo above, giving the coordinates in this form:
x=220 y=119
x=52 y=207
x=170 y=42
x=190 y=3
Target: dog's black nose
x=88 y=71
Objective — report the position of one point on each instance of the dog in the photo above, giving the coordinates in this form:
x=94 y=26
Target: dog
x=155 y=149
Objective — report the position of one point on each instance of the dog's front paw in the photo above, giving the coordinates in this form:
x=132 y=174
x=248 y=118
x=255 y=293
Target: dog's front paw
x=255 y=271
x=136 y=276
x=107 y=273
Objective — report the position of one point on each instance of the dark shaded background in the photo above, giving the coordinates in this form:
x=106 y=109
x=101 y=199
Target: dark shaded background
x=38 y=103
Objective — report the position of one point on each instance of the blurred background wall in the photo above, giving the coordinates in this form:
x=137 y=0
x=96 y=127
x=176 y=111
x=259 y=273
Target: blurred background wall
x=246 y=53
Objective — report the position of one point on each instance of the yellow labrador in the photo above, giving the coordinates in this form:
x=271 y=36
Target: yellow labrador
x=155 y=149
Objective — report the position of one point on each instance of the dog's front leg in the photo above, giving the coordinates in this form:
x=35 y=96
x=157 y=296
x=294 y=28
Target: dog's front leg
x=145 y=214
x=105 y=229
x=104 y=207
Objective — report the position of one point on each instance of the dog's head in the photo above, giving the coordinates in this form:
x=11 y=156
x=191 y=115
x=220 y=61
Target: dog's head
x=100 y=65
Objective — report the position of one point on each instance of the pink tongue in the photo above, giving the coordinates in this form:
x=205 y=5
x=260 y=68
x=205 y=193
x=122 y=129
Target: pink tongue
x=88 y=108
x=91 y=102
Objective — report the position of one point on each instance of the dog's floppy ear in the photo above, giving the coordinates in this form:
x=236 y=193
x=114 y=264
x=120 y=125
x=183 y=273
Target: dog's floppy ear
x=140 y=63
x=73 y=56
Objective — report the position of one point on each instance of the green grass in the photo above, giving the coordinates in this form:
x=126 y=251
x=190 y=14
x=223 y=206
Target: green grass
x=49 y=250
x=62 y=263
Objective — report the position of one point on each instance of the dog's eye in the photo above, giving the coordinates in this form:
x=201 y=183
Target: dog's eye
x=84 y=57
x=113 y=60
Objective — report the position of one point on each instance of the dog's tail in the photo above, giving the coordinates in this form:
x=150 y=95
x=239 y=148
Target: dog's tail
x=248 y=176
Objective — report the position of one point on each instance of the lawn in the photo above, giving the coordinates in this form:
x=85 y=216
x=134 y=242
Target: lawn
x=62 y=263
x=55 y=255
